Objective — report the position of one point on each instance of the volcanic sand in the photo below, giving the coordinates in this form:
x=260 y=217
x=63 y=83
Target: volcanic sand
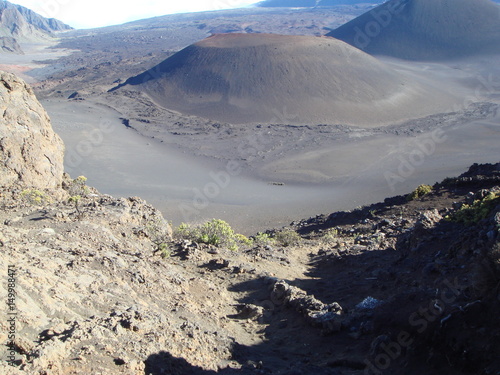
x=324 y=177
x=248 y=78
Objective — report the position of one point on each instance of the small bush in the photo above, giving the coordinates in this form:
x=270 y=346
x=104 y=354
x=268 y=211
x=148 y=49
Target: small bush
x=477 y=211
x=78 y=187
x=244 y=240
x=215 y=232
x=263 y=239
x=183 y=232
x=164 y=250
x=419 y=192
x=287 y=238
x=75 y=199
x=158 y=232
x=35 y=197
x=218 y=233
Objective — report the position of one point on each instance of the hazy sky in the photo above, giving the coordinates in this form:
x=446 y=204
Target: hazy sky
x=95 y=13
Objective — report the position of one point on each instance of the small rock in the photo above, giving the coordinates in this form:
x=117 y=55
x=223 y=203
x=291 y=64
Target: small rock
x=358 y=248
x=48 y=232
x=119 y=361
x=368 y=303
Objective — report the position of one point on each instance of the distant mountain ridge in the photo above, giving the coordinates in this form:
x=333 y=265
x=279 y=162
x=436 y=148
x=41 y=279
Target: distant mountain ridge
x=312 y=3
x=20 y=25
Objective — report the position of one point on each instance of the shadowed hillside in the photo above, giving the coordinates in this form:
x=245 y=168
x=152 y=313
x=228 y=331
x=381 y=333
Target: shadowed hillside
x=242 y=78
x=426 y=29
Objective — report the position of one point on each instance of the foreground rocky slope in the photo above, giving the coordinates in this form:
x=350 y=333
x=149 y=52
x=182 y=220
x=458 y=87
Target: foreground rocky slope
x=102 y=285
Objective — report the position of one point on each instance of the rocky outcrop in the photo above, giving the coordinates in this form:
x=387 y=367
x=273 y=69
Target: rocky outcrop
x=31 y=153
x=328 y=316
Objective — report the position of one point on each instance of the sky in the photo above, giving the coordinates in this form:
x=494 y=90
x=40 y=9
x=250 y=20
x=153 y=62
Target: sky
x=83 y=14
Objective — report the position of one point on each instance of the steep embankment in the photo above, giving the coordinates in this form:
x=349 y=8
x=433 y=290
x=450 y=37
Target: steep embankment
x=243 y=78
x=426 y=29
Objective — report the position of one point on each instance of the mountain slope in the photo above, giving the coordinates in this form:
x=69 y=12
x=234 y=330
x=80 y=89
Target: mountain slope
x=24 y=25
x=243 y=78
x=426 y=29
x=9 y=44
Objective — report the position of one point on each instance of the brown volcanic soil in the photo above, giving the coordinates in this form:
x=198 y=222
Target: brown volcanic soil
x=426 y=29
x=246 y=78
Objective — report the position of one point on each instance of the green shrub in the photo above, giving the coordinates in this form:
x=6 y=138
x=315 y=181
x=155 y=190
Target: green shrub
x=218 y=233
x=183 y=232
x=75 y=199
x=164 y=250
x=287 y=238
x=35 y=197
x=158 y=232
x=477 y=211
x=244 y=240
x=215 y=232
x=263 y=239
x=78 y=187
x=419 y=192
